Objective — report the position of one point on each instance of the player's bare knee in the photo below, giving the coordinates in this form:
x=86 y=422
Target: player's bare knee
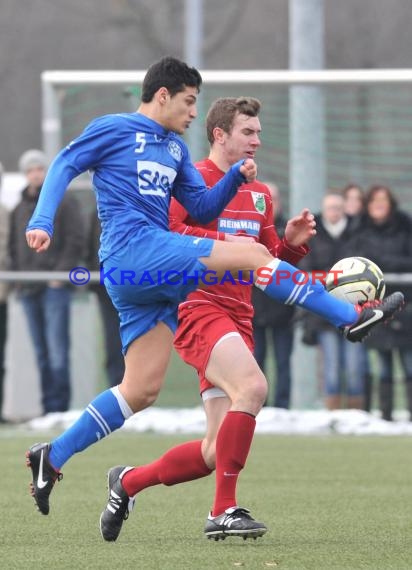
x=256 y=254
x=261 y=254
x=209 y=452
x=140 y=395
x=149 y=397
x=259 y=390
x=252 y=395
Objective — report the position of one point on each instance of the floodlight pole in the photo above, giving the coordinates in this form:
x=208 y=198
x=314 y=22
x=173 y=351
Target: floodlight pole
x=307 y=137
x=193 y=50
x=307 y=174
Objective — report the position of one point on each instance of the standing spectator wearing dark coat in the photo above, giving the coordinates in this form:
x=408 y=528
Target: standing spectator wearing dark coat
x=354 y=198
x=114 y=361
x=47 y=305
x=385 y=237
x=4 y=265
x=274 y=320
x=343 y=362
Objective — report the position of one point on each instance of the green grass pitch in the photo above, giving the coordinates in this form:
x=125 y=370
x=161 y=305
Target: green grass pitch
x=329 y=503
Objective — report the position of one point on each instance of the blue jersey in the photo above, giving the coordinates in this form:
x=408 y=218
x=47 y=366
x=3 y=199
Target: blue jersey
x=136 y=166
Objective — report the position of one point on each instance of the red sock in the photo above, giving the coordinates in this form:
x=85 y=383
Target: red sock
x=181 y=463
x=232 y=447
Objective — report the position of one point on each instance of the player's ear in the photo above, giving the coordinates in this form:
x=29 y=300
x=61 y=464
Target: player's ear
x=218 y=135
x=162 y=95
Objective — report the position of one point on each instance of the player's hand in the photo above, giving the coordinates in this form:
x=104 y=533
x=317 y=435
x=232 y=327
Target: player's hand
x=239 y=238
x=300 y=229
x=249 y=170
x=39 y=240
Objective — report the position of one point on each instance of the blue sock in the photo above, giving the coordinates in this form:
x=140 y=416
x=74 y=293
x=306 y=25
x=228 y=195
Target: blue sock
x=287 y=286
x=106 y=413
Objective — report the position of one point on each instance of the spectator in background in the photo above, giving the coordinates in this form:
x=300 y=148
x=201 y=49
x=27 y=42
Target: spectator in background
x=342 y=361
x=385 y=237
x=274 y=320
x=47 y=305
x=4 y=256
x=354 y=197
x=114 y=361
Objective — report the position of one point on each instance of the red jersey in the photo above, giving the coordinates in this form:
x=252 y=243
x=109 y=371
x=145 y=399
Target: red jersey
x=249 y=213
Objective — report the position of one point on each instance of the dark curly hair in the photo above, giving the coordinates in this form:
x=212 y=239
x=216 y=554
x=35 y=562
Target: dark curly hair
x=171 y=73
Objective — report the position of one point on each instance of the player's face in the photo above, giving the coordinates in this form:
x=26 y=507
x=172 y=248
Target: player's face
x=180 y=110
x=244 y=140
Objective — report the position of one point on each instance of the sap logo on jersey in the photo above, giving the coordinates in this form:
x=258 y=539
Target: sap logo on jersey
x=154 y=178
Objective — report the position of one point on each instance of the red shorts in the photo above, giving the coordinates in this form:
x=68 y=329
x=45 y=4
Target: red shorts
x=200 y=327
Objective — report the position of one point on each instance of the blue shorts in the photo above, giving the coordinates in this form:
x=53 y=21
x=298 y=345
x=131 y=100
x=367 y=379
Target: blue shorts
x=148 y=279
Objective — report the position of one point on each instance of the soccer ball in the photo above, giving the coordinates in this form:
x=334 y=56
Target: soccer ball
x=356 y=279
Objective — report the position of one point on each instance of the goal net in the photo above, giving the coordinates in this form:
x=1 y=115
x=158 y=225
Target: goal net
x=349 y=126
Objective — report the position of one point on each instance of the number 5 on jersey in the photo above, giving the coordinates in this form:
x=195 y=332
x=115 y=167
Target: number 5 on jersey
x=140 y=142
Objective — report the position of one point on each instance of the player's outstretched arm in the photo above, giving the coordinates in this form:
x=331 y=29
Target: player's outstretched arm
x=205 y=205
x=59 y=175
x=181 y=223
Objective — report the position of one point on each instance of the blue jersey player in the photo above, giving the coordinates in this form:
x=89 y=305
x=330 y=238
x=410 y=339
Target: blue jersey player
x=139 y=162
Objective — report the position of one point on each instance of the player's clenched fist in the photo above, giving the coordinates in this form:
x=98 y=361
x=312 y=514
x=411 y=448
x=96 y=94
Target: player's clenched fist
x=249 y=170
x=39 y=240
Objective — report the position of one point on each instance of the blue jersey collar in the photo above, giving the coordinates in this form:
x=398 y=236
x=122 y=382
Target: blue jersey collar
x=157 y=127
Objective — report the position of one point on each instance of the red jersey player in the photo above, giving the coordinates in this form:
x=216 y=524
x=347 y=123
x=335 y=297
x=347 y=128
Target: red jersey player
x=226 y=307
x=215 y=323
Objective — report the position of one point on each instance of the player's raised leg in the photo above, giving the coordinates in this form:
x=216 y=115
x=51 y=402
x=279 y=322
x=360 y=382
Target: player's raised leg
x=145 y=365
x=285 y=283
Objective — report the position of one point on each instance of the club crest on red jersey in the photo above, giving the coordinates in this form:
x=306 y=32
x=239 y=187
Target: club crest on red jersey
x=259 y=202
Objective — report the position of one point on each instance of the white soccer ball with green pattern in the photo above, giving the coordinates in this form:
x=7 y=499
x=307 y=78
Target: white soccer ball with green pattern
x=356 y=279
